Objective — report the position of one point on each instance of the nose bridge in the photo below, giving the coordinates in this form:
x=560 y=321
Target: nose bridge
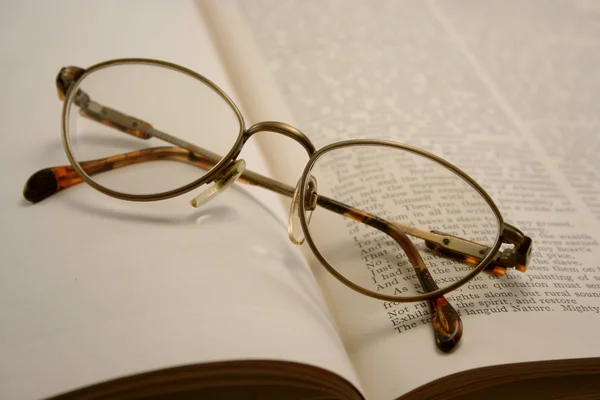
x=284 y=129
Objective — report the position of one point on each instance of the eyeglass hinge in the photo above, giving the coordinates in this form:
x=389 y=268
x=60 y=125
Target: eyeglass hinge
x=516 y=257
x=65 y=78
x=520 y=254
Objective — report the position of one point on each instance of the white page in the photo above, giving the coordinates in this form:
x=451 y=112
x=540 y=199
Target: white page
x=262 y=99
x=95 y=288
x=487 y=86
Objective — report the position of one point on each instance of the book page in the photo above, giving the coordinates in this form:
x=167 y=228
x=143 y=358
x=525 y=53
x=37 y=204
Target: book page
x=261 y=98
x=505 y=91
x=94 y=288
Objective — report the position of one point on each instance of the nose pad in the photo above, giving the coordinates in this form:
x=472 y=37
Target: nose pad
x=295 y=232
x=219 y=184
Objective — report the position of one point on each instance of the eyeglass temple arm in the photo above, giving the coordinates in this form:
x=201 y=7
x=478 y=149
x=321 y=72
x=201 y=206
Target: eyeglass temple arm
x=48 y=181
x=111 y=117
x=472 y=253
x=98 y=112
x=446 y=323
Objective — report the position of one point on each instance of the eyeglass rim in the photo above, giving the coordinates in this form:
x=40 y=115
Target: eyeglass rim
x=403 y=299
x=207 y=177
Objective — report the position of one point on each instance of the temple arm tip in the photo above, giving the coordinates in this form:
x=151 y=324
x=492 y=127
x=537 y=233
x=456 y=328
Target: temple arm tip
x=447 y=324
x=40 y=185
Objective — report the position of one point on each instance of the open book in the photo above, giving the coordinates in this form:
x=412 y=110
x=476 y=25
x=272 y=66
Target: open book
x=128 y=300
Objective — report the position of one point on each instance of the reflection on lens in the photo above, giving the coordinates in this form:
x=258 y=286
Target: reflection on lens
x=114 y=111
x=403 y=190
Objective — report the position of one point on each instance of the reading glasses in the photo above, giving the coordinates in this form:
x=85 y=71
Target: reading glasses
x=388 y=220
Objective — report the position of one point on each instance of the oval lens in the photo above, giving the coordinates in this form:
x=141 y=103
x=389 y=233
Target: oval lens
x=118 y=113
x=371 y=196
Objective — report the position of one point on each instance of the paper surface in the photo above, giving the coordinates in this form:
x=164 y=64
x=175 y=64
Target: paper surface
x=93 y=288
x=504 y=91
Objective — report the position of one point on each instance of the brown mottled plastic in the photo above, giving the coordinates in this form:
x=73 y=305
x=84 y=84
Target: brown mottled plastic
x=447 y=324
x=48 y=181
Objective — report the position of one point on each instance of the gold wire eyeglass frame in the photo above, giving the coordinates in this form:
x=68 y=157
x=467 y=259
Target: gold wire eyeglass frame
x=224 y=170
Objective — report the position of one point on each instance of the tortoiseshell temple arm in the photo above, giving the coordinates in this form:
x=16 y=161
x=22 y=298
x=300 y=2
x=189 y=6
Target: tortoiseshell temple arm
x=48 y=181
x=447 y=324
